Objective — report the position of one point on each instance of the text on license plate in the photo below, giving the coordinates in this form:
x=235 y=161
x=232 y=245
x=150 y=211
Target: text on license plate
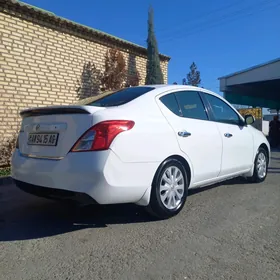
x=43 y=139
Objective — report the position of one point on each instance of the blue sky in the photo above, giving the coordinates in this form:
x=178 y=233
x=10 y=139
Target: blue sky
x=220 y=36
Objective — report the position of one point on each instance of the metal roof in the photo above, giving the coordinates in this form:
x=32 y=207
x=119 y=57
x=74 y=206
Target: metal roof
x=251 y=68
x=45 y=15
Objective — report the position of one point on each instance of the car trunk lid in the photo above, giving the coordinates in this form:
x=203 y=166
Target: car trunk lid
x=50 y=132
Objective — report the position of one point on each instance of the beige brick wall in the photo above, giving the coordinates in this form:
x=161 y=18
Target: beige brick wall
x=41 y=66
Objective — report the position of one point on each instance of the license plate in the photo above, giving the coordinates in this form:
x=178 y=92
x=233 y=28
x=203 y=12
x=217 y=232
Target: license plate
x=43 y=139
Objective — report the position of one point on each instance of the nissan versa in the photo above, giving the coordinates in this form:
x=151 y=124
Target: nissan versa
x=146 y=145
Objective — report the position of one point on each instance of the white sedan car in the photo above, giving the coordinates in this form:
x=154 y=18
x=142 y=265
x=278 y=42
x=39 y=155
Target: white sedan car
x=146 y=145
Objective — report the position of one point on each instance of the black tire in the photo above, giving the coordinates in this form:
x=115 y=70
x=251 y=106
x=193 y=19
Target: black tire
x=256 y=178
x=156 y=206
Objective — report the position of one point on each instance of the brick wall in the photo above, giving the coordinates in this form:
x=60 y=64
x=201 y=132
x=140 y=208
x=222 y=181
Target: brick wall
x=40 y=65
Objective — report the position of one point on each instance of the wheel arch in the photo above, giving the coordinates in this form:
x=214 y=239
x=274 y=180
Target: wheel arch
x=182 y=160
x=145 y=200
x=265 y=147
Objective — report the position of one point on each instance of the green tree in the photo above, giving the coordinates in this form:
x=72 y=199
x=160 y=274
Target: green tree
x=154 y=73
x=193 y=77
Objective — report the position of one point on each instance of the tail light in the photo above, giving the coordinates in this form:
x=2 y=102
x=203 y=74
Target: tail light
x=100 y=136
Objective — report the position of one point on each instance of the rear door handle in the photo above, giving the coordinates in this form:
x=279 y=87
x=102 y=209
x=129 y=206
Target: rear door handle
x=184 y=133
x=228 y=135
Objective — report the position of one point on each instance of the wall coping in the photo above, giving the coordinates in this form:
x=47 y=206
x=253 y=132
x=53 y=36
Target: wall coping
x=49 y=19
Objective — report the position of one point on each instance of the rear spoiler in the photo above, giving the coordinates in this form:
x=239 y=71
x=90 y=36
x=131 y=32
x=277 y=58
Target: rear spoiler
x=55 y=110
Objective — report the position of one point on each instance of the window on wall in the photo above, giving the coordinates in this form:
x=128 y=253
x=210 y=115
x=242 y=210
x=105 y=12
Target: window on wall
x=171 y=103
x=191 y=105
x=222 y=112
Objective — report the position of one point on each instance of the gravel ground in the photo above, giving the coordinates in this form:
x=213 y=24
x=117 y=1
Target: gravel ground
x=229 y=231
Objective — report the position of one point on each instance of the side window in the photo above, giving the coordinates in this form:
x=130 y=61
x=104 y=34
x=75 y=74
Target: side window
x=171 y=103
x=191 y=105
x=222 y=112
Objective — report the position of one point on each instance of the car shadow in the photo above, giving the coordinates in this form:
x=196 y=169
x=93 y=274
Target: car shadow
x=275 y=158
x=274 y=170
x=33 y=218
x=52 y=218
x=235 y=181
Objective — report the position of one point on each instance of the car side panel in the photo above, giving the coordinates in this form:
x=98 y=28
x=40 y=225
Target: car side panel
x=150 y=140
x=203 y=147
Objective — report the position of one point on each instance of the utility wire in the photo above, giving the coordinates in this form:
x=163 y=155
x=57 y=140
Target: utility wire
x=223 y=20
x=227 y=18
x=201 y=16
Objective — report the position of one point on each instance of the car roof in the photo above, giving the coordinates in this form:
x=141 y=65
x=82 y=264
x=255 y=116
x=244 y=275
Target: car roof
x=157 y=89
x=167 y=87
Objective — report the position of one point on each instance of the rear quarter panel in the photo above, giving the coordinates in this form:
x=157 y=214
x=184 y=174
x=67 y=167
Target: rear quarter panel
x=150 y=140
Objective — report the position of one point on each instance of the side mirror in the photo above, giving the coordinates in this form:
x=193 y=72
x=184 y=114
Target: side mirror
x=249 y=119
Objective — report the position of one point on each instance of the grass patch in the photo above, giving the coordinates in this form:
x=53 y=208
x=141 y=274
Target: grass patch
x=5 y=171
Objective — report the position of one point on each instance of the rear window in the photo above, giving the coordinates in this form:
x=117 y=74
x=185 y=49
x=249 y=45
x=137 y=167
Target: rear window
x=120 y=97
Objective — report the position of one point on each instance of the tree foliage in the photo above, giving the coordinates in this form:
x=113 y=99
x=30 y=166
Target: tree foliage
x=6 y=151
x=193 y=77
x=154 y=73
x=115 y=70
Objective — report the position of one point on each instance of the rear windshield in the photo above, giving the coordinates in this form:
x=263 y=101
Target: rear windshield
x=120 y=97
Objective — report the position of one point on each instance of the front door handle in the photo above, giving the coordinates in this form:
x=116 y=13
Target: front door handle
x=184 y=133
x=228 y=135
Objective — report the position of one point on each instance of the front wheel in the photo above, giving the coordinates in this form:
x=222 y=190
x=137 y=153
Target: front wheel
x=260 y=166
x=169 y=190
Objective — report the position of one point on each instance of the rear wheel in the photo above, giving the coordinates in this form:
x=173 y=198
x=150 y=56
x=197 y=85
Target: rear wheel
x=169 y=190
x=260 y=166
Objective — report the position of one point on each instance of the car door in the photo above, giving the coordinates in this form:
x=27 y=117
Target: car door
x=198 y=138
x=238 y=149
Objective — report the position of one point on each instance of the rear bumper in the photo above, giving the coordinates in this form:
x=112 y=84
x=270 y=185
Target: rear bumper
x=100 y=175
x=57 y=194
